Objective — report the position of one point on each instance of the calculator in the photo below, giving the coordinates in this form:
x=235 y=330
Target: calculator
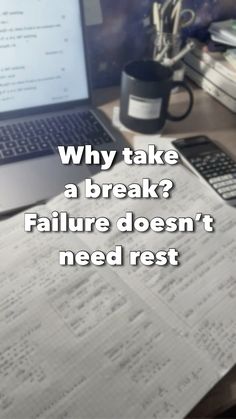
x=214 y=165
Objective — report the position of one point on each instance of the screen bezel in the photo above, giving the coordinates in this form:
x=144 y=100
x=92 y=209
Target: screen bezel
x=63 y=105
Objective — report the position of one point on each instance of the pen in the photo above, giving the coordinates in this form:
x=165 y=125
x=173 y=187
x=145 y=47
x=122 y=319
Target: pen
x=166 y=13
x=167 y=4
x=156 y=16
x=176 y=15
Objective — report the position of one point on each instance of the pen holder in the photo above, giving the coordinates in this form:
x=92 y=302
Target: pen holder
x=166 y=46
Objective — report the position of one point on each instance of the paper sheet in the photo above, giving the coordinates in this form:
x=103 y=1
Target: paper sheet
x=81 y=343
x=194 y=294
x=117 y=343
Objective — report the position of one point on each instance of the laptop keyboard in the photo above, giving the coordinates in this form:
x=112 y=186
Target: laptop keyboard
x=41 y=137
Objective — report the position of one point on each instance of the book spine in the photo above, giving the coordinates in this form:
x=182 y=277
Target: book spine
x=208 y=72
x=211 y=89
x=218 y=66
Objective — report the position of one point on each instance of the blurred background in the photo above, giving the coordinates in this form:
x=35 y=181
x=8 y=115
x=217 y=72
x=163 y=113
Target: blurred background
x=124 y=32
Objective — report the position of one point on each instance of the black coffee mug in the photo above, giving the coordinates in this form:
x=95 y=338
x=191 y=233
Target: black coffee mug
x=145 y=95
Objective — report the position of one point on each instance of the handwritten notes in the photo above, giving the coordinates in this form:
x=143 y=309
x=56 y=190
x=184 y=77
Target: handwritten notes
x=131 y=342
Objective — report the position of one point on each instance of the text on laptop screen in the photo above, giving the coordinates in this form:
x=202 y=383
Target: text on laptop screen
x=42 y=57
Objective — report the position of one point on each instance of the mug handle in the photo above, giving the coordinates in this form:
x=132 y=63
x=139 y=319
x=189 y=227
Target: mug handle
x=191 y=101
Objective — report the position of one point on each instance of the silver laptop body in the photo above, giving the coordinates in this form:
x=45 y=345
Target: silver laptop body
x=43 y=75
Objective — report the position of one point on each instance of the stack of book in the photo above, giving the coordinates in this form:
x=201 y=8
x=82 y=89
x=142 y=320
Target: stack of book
x=230 y=56
x=213 y=73
x=224 y=32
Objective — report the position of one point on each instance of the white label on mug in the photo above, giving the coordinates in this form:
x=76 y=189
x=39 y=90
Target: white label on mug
x=143 y=108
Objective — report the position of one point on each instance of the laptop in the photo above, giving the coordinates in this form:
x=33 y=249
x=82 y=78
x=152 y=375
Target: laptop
x=45 y=101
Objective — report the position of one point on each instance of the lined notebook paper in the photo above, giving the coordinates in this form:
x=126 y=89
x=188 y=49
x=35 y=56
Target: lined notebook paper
x=122 y=343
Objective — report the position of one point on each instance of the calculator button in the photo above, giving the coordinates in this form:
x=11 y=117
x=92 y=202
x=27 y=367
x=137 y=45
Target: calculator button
x=222 y=184
x=200 y=168
x=208 y=175
x=227 y=189
x=220 y=179
x=229 y=195
x=195 y=160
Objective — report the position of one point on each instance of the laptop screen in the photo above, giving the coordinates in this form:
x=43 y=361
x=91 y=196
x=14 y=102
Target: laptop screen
x=42 y=56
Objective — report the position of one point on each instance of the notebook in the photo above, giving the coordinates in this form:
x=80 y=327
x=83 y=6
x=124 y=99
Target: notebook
x=125 y=342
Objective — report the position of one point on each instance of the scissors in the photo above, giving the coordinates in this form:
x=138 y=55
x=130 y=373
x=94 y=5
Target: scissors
x=171 y=16
x=182 y=17
x=187 y=17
